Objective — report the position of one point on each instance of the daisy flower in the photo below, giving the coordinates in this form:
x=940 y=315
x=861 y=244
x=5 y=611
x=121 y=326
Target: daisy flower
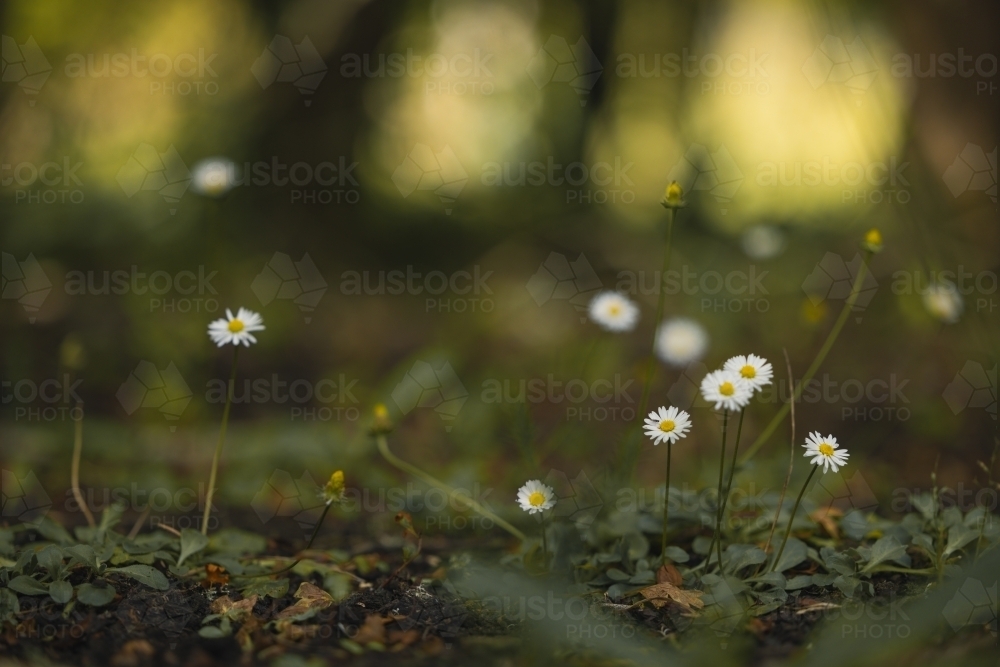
x=825 y=452
x=755 y=370
x=213 y=177
x=236 y=330
x=681 y=341
x=613 y=311
x=727 y=389
x=667 y=425
x=536 y=497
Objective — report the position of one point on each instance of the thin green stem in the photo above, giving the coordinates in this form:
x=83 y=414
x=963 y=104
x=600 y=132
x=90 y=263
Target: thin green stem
x=634 y=442
x=732 y=466
x=395 y=461
x=545 y=545
x=74 y=473
x=230 y=389
x=308 y=546
x=717 y=540
x=666 y=504
x=791 y=519
x=817 y=362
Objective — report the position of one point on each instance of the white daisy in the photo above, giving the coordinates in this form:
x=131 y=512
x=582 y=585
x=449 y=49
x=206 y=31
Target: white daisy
x=825 y=452
x=536 y=497
x=943 y=301
x=762 y=242
x=213 y=177
x=667 y=425
x=236 y=330
x=727 y=389
x=613 y=311
x=755 y=370
x=681 y=341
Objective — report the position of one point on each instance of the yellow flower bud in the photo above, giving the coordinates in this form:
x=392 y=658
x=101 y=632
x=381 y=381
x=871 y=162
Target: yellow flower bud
x=673 y=196
x=333 y=492
x=873 y=240
x=381 y=423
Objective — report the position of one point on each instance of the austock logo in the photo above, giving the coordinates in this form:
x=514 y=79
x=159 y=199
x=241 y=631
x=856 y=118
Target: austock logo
x=973 y=171
x=424 y=386
x=22 y=499
x=833 y=280
x=24 y=282
x=973 y=387
x=148 y=169
x=284 y=496
x=835 y=62
x=285 y=62
x=558 y=62
x=425 y=169
x=164 y=390
x=283 y=279
x=974 y=604
x=558 y=279
x=577 y=500
x=24 y=65
x=712 y=171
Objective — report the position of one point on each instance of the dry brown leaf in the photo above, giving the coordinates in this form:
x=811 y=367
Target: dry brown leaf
x=309 y=597
x=668 y=573
x=824 y=516
x=372 y=630
x=663 y=593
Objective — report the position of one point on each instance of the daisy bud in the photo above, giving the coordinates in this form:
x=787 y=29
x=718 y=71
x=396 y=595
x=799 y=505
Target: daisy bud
x=381 y=423
x=673 y=196
x=873 y=240
x=333 y=492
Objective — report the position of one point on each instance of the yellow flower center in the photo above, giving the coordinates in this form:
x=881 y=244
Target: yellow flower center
x=826 y=449
x=235 y=326
x=614 y=309
x=749 y=372
x=727 y=389
x=536 y=499
x=667 y=426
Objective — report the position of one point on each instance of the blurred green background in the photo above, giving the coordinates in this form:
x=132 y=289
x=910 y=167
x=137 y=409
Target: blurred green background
x=504 y=140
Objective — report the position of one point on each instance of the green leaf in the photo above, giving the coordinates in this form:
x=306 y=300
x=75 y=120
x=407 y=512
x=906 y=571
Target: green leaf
x=9 y=605
x=97 y=594
x=192 y=541
x=61 y=591
x=26 y=585
x=739 y=556
x=958 y=536
x=236 y=541
x=847 y=585
x=52 y=531
x=677 y=555
x=616 y=575
x=275 y=588
x=795 y=552
x=50 y=558
x=801 y=581
x=886 y=548
x=85 y=555
x=144 y=574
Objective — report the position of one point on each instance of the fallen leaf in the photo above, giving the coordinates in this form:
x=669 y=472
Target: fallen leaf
x=825 y=516
x=215 y=575
x=668 y=573
x=133 y=653
x=663 y=593
x=310 y=597
x=372 y=630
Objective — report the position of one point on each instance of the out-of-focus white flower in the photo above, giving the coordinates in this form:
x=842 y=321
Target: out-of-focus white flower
x=236 y=330
x=667 y=425
x=755 y=370
x=681 y=341
x=536 y=497
x=213 y=177
x=825 y=452
x=726 y=389
x=614 y=311
x=763 y=242
x=944 y=302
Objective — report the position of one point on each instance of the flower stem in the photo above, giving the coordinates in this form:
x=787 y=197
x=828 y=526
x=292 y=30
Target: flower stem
x=817 y=362
x=230 y=389
x=732 y=466
x=308 y=546
x=666 y=504
x=791 y=519
x=633 y=444
x=74 y=473
x=395 y=461
x=545 y=545
x=717 y=540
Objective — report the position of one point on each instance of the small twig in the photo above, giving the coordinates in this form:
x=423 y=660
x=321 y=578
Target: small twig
x=169 y=529
x=138 y=523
